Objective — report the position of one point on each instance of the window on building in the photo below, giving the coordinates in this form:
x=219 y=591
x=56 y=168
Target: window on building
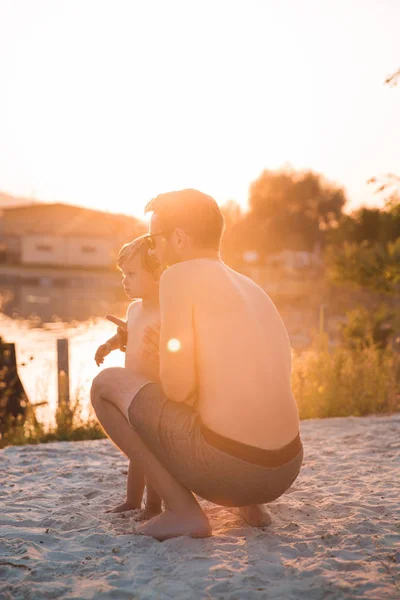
x=88 y=249
x=44 y=248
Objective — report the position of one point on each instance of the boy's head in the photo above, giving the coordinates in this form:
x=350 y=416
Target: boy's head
x=184 y=223
x=139 y=269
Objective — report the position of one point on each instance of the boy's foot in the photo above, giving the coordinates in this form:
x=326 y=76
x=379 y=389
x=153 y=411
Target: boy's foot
x=255 y=515
x=123 y=507
x=149 y=512
x=169 y=525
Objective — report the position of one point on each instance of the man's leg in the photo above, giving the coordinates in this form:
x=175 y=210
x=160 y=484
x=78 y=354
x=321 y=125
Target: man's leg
x=153 y=505
x=255 y=515
x=112 y=393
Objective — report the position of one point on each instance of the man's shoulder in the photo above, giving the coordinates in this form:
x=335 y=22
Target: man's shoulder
x=179 y=272
x=190 y=268
x=185 y=278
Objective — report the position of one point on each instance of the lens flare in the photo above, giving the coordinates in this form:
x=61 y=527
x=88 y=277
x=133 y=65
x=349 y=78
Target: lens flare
x=174 y=345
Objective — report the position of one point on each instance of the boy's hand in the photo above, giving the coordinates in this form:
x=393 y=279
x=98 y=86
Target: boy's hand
x=152 y=343
x=101 y=352
x=122 y=331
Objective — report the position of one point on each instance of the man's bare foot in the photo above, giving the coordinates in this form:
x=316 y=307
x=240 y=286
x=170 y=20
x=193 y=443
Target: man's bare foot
x=123 y=507
x=255 y=515
x=150 y=511
x=169 y=525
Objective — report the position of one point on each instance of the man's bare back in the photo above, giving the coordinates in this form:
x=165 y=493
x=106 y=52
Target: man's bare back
x=242 y=355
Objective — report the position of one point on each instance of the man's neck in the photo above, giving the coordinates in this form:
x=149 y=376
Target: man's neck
x=193 y=254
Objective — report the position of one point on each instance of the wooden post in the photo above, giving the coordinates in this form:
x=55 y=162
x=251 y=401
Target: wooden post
x=323 y=337
x=63 y=371
x=321 y=319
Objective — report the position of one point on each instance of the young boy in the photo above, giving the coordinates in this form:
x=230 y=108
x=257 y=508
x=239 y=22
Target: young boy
x=140 y=280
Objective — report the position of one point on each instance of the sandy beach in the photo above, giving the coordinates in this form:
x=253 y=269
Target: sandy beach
x=335 y=534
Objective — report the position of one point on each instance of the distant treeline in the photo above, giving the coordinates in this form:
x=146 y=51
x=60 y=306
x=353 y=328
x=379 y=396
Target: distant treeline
x=303 y=211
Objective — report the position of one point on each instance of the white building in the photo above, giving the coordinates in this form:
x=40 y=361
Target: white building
x=64 y=236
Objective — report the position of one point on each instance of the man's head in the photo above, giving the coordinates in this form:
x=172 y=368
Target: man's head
x=185 y=224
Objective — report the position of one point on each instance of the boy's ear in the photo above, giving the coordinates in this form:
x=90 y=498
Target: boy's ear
x=152 y=263
x=154 y=267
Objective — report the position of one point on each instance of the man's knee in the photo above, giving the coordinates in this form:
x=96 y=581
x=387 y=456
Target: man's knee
x=99 y=385
x=95 y=389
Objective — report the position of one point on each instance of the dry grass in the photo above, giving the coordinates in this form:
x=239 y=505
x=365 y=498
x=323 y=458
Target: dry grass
x=69 y=426
x=346 y=381
x=326 y=382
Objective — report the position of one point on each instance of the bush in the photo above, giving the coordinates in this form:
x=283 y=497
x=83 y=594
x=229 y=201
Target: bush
x=372 y=265
x=69 y=426
x=346 y=381
x=366 y=328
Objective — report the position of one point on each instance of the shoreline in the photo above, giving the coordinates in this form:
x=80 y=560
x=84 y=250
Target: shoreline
x=93 y=423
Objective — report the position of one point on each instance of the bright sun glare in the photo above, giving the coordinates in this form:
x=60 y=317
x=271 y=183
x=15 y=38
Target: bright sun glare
x=191 y=94
x=174 y=345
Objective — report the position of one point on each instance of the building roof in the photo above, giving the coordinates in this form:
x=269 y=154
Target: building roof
x=67 y=220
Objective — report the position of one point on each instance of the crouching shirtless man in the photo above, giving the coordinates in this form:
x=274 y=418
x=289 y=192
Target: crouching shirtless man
x=223 y=424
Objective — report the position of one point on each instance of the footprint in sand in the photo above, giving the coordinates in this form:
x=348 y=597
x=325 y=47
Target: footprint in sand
x=93 y=494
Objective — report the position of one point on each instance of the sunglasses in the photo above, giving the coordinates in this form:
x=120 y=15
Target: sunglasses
x=150 y=238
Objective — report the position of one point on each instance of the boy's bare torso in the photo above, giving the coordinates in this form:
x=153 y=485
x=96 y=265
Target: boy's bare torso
x=243 y=357
x=137 y=321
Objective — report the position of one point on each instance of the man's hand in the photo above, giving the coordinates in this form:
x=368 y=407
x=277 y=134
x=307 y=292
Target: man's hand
x=122 y=331
x=151 y=341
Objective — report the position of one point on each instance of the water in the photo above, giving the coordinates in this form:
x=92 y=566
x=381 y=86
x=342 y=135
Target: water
x=36 y=350
x=40 y=305
x=51 y=294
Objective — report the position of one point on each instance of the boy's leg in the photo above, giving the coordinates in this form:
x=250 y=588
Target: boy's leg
x=134 y=491
x=112 y=392
x=135 y=486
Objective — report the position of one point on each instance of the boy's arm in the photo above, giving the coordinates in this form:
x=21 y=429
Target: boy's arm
x=177 y=343
x=113 y=342
x=122 y=330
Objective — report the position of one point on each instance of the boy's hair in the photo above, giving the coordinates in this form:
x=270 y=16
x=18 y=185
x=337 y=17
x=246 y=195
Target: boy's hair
x=194 y=212
x=138 y=246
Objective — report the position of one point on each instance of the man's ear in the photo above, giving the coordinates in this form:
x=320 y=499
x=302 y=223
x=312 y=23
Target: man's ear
x=180 y=237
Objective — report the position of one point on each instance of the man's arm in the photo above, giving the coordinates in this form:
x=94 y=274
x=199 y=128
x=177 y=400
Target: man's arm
x=177 y=345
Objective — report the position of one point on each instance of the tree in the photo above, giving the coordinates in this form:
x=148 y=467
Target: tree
x=372 y=225
x=389 y=180
x=393 y=79
x=376 y=266
x=370 y=256
x=296 y=207
x=242 y=235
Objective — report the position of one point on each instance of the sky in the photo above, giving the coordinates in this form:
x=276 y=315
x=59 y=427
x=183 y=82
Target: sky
x=107 y=103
